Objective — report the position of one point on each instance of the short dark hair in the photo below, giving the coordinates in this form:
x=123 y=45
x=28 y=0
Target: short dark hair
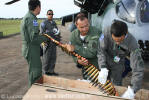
x=32 y=4
x=49 y=10
x=80 y=16
x=119 y=28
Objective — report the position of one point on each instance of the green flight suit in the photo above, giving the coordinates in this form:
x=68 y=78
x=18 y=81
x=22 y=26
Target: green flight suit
x=88 y=47
x=31 y=41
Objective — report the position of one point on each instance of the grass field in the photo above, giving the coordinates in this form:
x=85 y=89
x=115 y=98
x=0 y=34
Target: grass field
x=9 y=27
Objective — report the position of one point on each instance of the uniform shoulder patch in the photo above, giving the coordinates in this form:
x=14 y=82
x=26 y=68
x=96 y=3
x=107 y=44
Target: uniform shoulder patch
x=101 y=37
x=35 y=23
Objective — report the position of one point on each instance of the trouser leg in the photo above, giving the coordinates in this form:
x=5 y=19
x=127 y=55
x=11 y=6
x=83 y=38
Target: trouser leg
x=35 y=69
x=52 y=61
x=45 y=60
x=49 y=59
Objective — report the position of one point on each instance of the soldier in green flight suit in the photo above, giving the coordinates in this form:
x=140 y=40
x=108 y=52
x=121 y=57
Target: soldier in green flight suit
x=31 y=41
x=84 y=41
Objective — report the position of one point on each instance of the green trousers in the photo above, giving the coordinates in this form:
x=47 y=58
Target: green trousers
x=35 y=68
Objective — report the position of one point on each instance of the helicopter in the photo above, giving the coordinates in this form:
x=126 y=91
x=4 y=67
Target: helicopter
x=11 y=2
x=102 y=13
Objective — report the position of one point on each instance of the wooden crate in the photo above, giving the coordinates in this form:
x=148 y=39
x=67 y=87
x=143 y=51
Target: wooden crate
x=57 y=88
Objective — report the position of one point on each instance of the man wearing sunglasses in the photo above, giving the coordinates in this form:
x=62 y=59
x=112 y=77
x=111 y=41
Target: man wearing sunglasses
x=49 y=48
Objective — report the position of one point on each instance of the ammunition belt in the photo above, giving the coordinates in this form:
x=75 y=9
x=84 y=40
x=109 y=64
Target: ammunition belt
x=91 y=72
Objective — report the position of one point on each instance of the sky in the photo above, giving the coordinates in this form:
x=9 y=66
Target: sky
x=20 y=8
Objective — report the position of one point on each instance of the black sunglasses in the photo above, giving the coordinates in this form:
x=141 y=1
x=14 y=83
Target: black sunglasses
x=50 y=14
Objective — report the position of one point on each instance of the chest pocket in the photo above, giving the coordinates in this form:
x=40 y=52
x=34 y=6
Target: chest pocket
x=93 y=42
x=122 y=52
x=49 y=27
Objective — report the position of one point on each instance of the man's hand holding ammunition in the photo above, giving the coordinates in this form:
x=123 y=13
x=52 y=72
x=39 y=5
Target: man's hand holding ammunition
x=69 y=47
x=83 y=61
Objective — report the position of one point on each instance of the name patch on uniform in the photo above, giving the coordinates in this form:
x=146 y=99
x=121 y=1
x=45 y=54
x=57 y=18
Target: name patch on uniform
x=95 y=37
x=35 y=23
x=101 y=37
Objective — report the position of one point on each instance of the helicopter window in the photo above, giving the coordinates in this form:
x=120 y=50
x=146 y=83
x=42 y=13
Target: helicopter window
x=144 y=15
x=125 y=10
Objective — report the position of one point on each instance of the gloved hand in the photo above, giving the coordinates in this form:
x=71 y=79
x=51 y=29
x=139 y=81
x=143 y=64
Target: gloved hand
x=129 y=93
x=103 y=74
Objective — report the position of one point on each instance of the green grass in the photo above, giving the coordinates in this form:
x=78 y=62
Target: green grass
x=9 y=27
x=58 y=22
